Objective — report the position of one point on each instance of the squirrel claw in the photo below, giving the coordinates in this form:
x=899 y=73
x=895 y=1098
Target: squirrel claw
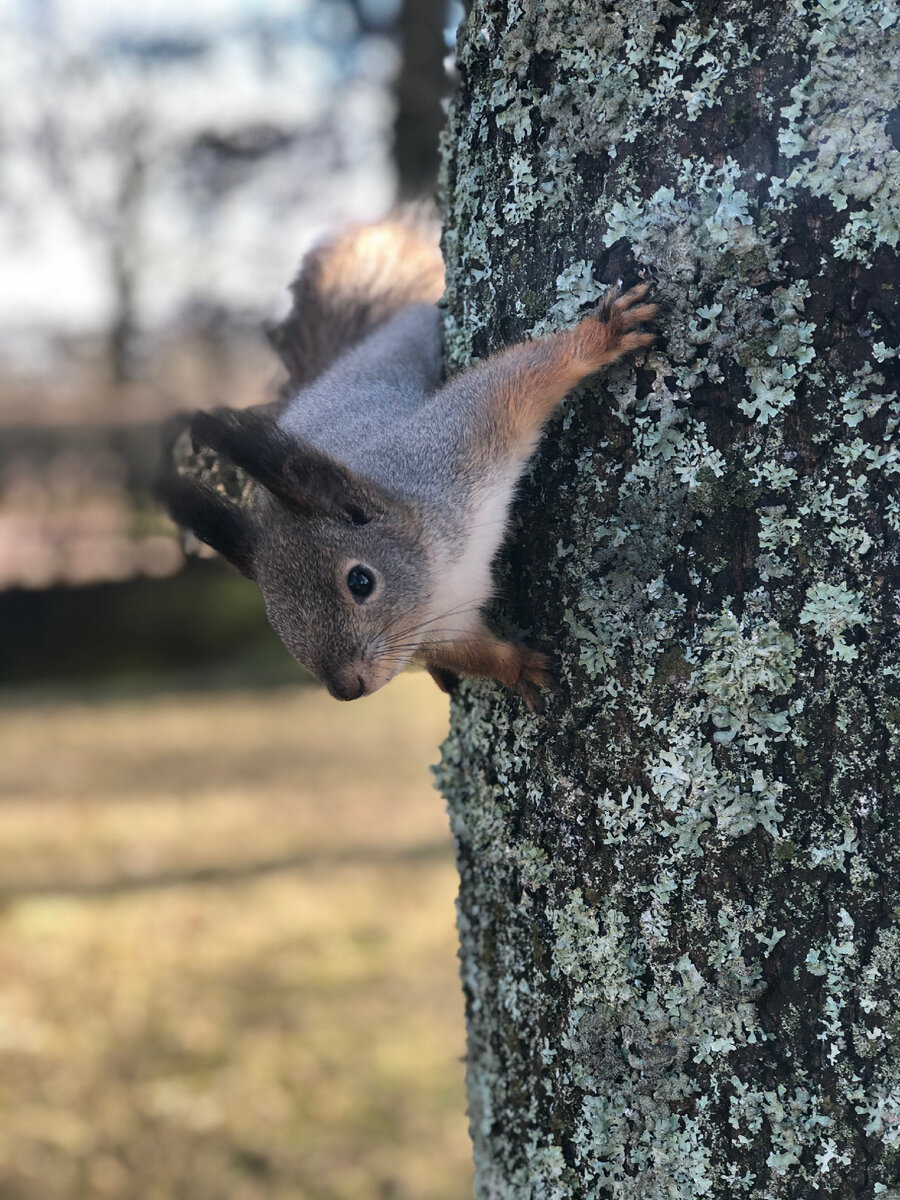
x=534 y=676
x=623 y=310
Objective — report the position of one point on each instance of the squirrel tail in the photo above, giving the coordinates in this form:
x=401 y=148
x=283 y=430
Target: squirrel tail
x=349 y=285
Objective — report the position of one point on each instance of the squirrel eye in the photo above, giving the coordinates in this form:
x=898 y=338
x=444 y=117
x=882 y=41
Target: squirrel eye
x=360 y=582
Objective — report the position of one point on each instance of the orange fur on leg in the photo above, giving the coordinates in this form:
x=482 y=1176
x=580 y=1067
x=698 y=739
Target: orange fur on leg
x=521 y=386
x=522 y=670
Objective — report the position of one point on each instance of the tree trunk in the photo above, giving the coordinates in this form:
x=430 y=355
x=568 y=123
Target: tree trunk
x=680 y=897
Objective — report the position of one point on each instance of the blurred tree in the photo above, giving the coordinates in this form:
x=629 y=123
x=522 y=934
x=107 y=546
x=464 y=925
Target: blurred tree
x=679 y=906
x=124 y=237
x=420 y=88
x=169 y=164
x=420 y=85
x=96 y=149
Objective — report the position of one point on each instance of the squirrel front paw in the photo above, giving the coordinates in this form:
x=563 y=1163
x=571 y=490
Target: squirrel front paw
x=622 y=311
x=534 y=675
x=612 y=328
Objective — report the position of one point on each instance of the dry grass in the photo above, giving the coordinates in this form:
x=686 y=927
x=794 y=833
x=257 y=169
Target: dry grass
x=176 y=1023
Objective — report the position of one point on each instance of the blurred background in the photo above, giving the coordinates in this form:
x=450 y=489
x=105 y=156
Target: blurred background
x=227 y=944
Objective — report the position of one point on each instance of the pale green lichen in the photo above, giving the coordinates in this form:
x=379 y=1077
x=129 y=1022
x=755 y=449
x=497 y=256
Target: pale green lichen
x=832 y=610
x=742 y=670
x=839 y=134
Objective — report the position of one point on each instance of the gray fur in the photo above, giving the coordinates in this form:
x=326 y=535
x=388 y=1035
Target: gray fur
x=301 y=569
x=380 y=411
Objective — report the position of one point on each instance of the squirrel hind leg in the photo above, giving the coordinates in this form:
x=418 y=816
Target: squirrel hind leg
x=524 y=671
x=534 y=678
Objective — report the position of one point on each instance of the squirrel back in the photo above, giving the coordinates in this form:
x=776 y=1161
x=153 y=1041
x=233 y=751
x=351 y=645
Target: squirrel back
x=351 y=284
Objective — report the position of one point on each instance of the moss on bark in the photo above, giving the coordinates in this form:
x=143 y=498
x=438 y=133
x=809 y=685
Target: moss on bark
x=680 y=898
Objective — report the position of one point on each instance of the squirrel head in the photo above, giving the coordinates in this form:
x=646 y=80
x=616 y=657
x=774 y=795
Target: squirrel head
x=342 y=564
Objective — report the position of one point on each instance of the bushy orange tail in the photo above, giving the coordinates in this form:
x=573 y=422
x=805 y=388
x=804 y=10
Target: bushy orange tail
x=349 y=285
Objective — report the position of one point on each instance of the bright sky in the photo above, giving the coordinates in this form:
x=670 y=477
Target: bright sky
x=234 y=245
x=90 y=17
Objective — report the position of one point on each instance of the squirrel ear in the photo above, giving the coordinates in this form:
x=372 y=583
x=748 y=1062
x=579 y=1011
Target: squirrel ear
x=321 y=486
x=296 y=472
x=250 y=438
x=215 y=520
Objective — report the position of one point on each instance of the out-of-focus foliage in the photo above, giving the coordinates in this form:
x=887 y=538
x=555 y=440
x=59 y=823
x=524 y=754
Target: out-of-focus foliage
x=206 y=620
x=185 y=1015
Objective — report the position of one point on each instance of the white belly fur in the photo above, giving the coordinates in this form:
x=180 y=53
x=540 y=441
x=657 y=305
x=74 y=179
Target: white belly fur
x=464 y=583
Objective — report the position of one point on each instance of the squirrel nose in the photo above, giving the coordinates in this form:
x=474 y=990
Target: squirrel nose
x=347 y=687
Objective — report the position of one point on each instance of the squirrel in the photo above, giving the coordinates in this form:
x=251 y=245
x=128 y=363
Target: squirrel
x=381 y=494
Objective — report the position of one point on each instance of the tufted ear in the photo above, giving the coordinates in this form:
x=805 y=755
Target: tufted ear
x=215 y=520
x=306 y=479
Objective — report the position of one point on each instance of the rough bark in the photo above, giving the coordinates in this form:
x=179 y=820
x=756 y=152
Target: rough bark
x=680 y=898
